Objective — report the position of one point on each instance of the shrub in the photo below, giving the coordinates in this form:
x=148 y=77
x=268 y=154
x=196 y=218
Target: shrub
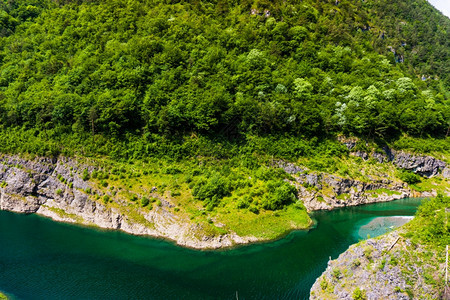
x=244 y=202
x=133 y=198
x=356 y=263
x=212 y=202
x=175 y=194
x=59 y=192
x=106 y=199
x=172 y=171
x=279 y=194
x=359 y=294
x=253 y=209
x=324 y=284
x=85 y=175
x=215 y=186
x=145 y=201
x=337 y=274
x=409 y=177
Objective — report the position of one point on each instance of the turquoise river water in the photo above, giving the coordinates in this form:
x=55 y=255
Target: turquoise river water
x=42 y=259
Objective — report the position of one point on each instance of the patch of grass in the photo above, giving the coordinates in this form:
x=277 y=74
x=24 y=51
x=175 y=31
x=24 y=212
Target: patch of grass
x=343 y=196
x=265 y=224
x=63 y=214
x=359 y=294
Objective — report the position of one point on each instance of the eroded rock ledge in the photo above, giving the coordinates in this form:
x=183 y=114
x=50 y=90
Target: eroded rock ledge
x=33 y=186
x=423 y=165
x=342 y=192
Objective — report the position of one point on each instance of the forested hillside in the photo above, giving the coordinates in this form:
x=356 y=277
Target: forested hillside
x=135 y=78
x=228 y=118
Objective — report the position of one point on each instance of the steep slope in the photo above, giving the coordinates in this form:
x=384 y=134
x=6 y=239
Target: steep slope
x=406 y=264
x=207 y=102
x=144 y=72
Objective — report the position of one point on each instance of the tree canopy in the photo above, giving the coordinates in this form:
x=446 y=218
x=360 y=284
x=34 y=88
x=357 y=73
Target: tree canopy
x=163 y=71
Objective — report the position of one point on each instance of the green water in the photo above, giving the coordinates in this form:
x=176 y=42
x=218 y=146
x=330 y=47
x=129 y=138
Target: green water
x=42 y=259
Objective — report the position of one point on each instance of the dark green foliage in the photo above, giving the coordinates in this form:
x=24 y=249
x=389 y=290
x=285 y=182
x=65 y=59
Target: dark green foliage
x=244 y=202
x=215 y=187
x=409 y=177
x=145 y=201
x=280 y=193
x=172 y=171
x=132 y=79
x=85 y=175
x=431 y=223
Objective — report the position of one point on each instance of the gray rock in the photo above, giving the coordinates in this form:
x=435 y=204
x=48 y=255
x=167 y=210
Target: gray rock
x=380 y=157
x=289 y=168
x=313 y=180
x=427 y=166
x=423 y=165
x=386 y=281
x=349 y=144
x=446 y=172
x=360 y=154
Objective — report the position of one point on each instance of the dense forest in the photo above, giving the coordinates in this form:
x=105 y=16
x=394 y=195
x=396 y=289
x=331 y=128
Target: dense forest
x=136 y=78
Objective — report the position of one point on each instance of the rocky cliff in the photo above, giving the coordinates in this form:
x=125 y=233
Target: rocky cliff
x=54 y=188
x=423 y=165
x=389 y=267
x=320 y=190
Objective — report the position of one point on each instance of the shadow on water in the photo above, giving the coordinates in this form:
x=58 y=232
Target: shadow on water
x=41 y=259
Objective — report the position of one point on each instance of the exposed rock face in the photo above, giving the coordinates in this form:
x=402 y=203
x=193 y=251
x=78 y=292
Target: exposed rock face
x=427 y=166
x=33 y=186
x=424 y=165
x=377 y=267
x=346 y=192
x=325 y=191
x=446 y=172
x=342 y=191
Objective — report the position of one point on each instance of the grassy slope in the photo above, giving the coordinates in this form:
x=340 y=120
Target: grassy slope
x=241 y=211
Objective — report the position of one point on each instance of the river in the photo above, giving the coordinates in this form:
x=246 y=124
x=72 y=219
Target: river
x=42 y=259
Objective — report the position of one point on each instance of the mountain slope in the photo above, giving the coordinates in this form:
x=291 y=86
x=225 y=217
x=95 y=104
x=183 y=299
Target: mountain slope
x=124 y=69
x=236 y=113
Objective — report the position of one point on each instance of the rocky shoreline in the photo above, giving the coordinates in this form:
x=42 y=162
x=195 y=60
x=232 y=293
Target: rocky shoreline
x=32 y=186
x=54 y=187
x=387 y=267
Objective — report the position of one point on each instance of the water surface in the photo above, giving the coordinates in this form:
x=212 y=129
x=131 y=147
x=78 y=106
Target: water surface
x=42 y=259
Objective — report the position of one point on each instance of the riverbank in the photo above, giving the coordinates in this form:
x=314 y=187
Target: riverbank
x=404 y=264
x=161 y=199
x=113 y=264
